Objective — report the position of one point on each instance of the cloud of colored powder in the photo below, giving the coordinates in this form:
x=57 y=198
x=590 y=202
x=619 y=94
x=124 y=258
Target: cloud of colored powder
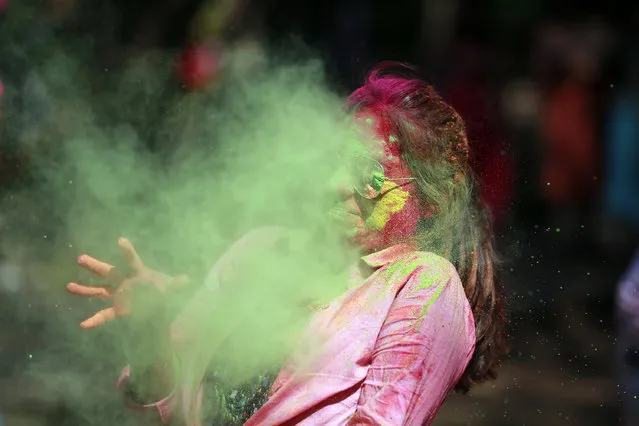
x=183 y=176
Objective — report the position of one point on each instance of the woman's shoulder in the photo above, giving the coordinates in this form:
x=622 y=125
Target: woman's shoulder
x=435 y=283
x=425 y=263
x=435 y=276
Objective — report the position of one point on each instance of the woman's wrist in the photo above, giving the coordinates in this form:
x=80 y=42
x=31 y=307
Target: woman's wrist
x=152 y=362
x=150 y=384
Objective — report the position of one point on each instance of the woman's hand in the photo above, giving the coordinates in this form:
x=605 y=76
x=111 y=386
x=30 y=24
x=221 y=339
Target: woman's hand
x=120 y=287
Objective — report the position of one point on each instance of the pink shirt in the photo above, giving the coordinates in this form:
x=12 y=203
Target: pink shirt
x=391 y=350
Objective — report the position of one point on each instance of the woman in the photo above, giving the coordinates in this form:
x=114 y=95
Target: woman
x=420 y=317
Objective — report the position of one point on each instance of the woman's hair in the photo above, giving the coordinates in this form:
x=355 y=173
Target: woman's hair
x=455 y=224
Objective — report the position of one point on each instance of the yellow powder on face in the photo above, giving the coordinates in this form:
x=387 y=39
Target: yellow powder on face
x=392 y=202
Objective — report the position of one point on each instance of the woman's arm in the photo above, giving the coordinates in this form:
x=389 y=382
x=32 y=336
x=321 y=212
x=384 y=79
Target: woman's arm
x=152 y=359
x=423 y=348
x=184 y=351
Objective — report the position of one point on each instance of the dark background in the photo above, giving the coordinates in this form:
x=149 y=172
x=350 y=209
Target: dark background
x=529 y=77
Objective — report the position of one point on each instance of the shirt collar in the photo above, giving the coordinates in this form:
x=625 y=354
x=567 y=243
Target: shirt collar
x=387 y=255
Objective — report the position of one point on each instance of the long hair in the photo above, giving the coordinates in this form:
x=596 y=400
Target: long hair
x=455 y=224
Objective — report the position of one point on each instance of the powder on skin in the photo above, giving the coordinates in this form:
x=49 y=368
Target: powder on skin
x=393 y=201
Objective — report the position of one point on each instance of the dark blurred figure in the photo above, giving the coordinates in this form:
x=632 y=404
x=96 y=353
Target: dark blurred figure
x=570 y=118
x=621 y=174
x=568 y=121
x=470 y=94
x=628 y=346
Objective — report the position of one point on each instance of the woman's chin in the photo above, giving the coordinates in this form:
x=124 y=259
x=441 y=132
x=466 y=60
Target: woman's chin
x=366 y=239
x=356 y=232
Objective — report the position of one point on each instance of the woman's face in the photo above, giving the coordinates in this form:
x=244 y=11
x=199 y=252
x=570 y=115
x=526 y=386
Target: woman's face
x=383 y=209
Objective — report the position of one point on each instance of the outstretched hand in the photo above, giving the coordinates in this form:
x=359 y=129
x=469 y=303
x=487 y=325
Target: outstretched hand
x=118 y=286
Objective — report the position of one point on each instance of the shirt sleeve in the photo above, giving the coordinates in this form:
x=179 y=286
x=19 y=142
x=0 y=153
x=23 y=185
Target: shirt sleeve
x=423 y=348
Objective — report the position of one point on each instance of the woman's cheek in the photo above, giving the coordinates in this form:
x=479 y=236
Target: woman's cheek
x=395 y=215
x=392 y=202
x=402 y=224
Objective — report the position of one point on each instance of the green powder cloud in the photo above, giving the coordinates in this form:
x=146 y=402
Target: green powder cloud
x=266 y=148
